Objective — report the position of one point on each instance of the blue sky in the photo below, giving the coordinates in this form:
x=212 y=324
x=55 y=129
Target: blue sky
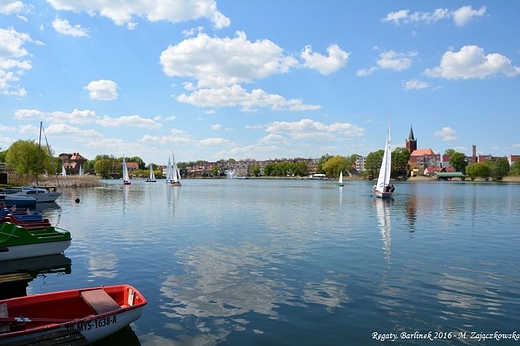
x=259 y=80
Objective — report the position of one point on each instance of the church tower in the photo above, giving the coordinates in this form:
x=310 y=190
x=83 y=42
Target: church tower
x=411 y=142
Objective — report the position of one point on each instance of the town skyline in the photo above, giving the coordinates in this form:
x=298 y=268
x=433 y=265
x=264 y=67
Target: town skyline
x=215 y=82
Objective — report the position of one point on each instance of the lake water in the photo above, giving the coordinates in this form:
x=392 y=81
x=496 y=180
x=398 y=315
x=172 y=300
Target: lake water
x=301 y=262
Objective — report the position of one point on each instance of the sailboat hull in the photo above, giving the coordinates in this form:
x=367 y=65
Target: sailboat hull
x=381 y=194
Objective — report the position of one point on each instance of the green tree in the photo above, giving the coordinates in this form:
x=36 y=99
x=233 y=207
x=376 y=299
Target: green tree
x=373 y=162
x=499 y=169
x=400 y=158
x=215 y=170
x=255 y=170
x=458 y=162
x=450 y=152
x=479 y=169
x=26 y=157
x=321 y=161
x=3 y=154
x=107 y=165
x=516 y=167
x=336 y=164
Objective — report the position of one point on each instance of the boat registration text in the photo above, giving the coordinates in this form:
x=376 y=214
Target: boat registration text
x=93 y=324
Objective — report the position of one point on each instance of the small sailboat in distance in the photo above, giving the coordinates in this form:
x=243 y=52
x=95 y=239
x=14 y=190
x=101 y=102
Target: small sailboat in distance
x=151 y=177
x=383 y=189
x=340 y=181
x=126 y=177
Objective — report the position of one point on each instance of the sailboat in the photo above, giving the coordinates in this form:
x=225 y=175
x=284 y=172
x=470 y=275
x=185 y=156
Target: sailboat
x=63 y=170
x=176 y=175
x=126 y=177
x=39 y=194
x=169 y=172
x=340 y=181
x=383 y=189
x=151 y=177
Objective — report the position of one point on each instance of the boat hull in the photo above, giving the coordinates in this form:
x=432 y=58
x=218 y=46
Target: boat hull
x=41 y=195
x=92 y=325
x=381 y=194
x=33 y=250
x=19 y=201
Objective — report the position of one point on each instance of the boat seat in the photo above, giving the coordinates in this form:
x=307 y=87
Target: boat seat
x=100 y=301
x=4 y=327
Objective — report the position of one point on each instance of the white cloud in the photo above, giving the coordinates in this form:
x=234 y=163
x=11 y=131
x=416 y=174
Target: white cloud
x=447 y=134
x=392 y=61
x=12 y=62
x=17 y=8
x=216 y=127
x=129 y=120
x=326 y=65
x=465 y=14
x=307 y=128
x=173 y=11
x=396 y=61
x=460 y=16
x=273 y=138
x=67 y=131
x=104 y=90
x=208 y=142
x=471 y=62
x=217 y=62
x=63 y=27
x=236 y=96
x=415 y=84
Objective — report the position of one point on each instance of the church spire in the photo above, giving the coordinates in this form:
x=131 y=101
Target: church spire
x=411 y=142
x=410 y=135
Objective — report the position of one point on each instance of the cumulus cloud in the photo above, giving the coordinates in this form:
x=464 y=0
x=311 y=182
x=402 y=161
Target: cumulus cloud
x=236 y=96
x=129 y=120
x=460 y=16
x=17 y=8
x=326 y=65
x=471 y=62
x=13 y=61
x=308 y=128
x=465 y=14
x=208 y=142
x=173 y=11
x=415 y=84
x=217 y=62
x=103 y=90
x=447 y=134
x=63 y=27
x=217 y=67
x=392 y=61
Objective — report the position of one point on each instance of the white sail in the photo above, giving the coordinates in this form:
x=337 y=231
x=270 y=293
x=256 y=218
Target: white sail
x=386 y=168
x=169 y=171
x=80 y=170
x=63 y=170
x=176 y=176
x=152 y=173
x=126 y=177
x=341 y=177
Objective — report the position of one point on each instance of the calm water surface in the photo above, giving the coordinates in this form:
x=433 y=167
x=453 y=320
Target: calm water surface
x=300 y=262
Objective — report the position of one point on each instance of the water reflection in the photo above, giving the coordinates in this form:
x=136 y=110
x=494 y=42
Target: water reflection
x=384 y=224
x=18 y=273
x=172 y=196
x=411 y=212
x=221 y=286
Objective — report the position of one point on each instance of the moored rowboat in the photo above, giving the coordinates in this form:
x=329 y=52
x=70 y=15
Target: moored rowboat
x=95 y=312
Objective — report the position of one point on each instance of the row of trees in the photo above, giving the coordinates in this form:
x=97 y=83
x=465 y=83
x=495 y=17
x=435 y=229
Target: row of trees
x=27 y=158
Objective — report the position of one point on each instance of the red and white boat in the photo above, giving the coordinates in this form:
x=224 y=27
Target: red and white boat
x=95 y=312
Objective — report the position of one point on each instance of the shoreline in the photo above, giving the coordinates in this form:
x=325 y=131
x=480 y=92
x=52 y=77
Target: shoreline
x=93 y=181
